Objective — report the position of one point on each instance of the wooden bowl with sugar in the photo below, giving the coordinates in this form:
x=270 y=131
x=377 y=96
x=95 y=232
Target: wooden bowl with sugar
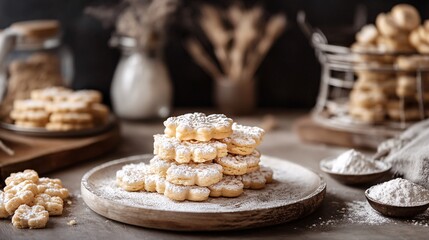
x=382 y=170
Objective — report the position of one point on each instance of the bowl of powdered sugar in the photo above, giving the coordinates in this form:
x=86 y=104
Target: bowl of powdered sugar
x=353 y=167
x=398 y=198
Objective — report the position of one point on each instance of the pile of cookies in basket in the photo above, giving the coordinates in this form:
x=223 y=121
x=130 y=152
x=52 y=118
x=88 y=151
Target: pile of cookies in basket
x=379 y=95
x=30 y=200
x=60 y=109
x=198 y=157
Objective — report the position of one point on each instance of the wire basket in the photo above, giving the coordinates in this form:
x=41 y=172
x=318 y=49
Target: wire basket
x=339 y=67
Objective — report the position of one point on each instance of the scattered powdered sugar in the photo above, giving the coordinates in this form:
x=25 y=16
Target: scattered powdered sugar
x=199 y=120
x=360 y=212
x=399 y=192
x=292 y=183
x=353 y=162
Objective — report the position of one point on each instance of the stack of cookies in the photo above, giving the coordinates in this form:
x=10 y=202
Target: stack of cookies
x=60 y=109
x=406 y=105
x=199 y=157
x=391 y=32
x=375 y=93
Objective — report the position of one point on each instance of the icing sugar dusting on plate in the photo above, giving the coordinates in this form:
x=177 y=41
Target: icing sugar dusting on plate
x=292 y=183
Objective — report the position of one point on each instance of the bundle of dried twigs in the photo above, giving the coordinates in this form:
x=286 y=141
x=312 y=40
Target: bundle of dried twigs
x=240 y=48
x=144 y=20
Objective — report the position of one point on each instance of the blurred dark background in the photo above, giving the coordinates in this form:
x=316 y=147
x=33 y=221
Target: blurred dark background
x=289 y=76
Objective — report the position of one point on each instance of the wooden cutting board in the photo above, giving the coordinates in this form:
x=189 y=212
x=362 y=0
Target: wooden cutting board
x=48 y=154
x=295 y=193
x=310 y=131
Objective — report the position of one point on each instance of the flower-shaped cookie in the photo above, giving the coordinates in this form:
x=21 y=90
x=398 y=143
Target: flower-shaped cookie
x=89 y=96
x=49 y=94
x=202 y=174
x=239 y=164
x=3 y=212
x=159 y=166
x=68 y=107
x=29 y=105
x=244 y=139
x=16 y=178
x=229 y=186
x=54 y=205
x=182 y=193
x=23 y=193
x=154 y=183
x=30 y=217
x=52 y=187
x=257 y=179
x=170 y=148
x=198 y=126
x=132 y=176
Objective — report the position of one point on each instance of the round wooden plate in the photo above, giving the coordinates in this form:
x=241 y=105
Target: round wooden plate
x=295 y=193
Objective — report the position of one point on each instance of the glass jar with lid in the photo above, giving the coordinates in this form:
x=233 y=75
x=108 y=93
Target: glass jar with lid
x=31 y=57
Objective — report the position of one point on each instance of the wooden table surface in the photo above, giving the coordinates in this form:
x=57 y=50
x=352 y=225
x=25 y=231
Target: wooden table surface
x=328 y=222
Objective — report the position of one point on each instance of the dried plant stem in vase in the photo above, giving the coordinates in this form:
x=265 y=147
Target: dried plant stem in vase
x=239 y=48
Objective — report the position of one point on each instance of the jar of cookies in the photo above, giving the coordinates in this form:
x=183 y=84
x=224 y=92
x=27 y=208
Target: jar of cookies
x=31 y=57
x=141 y=87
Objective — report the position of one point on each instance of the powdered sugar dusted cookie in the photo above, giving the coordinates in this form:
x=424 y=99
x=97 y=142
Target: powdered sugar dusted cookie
x=257 y=179
x=29 y=105
x=54 y=205
x=30 y=217
x=16 y=178
x=202 y=174
x=138 y=177
x=244 y=139
x=198 y=126
x=154 y=183
x=30 y=116
x=52 y=187
x=182 y=193
x=72 y=118
x=3 y=212
x=229 y=186
x=89 y=96
x=67 y=107
x=185 y=151
x=131 y=177
x=23 y=193
x=48 y=94
x=267 y=172
x=159 y=166
x=239 y=164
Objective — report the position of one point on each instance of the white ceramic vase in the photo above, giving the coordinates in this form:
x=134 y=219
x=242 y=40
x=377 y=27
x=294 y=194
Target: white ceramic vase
x=141 y=87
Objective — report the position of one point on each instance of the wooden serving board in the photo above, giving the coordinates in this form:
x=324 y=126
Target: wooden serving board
x=48 y=154
x=295 y=193
x=310 y=131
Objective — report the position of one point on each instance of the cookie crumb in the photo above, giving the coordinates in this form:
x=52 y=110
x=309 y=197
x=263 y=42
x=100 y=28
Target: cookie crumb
x=69 y=202
x=72 y=222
